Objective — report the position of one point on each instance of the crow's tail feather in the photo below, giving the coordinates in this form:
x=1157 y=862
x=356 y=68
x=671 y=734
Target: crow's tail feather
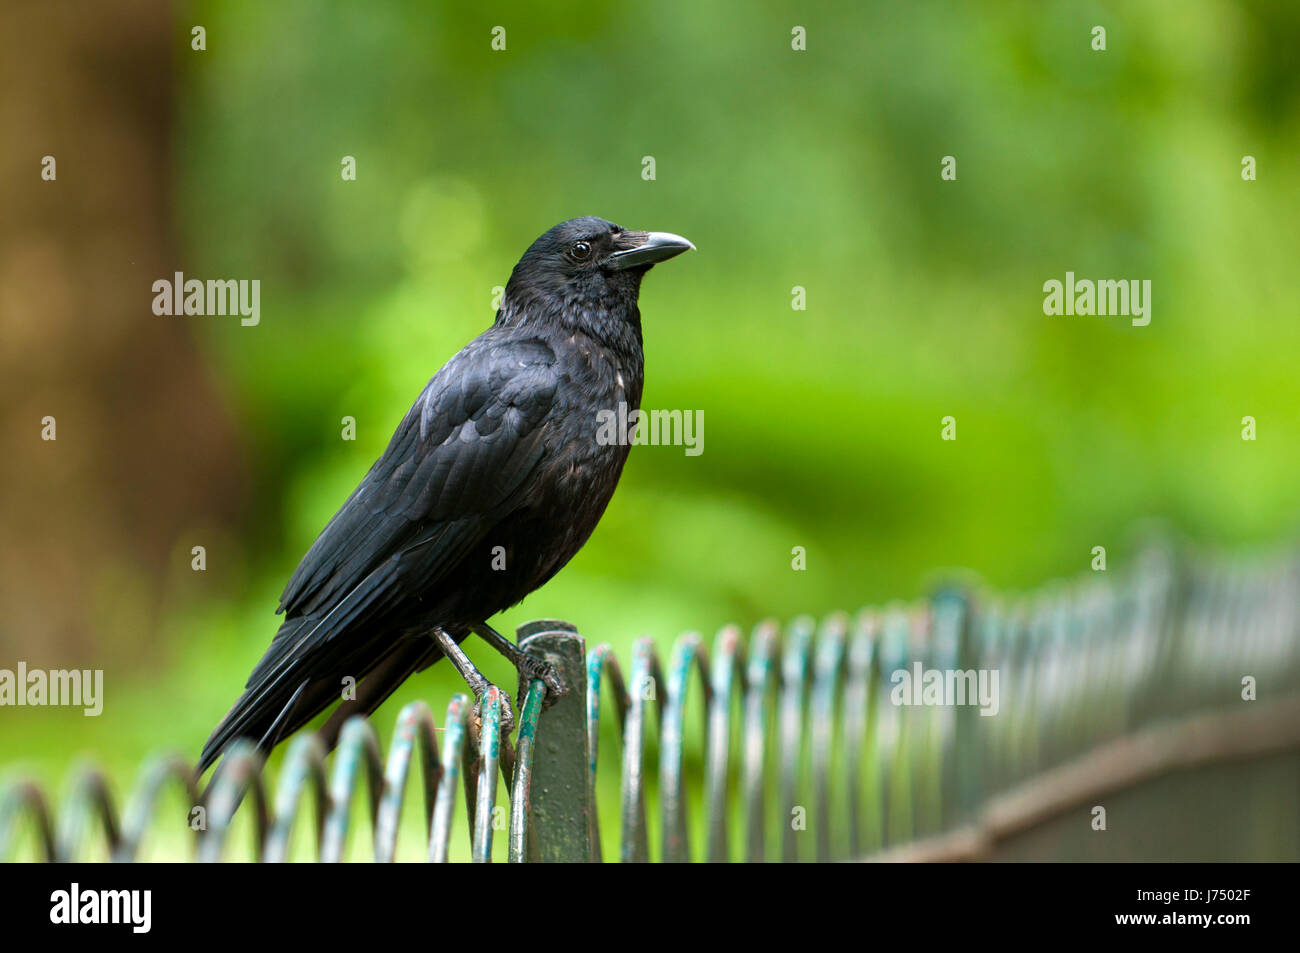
x=405 y=659
x=290 y=692
x=268 y=719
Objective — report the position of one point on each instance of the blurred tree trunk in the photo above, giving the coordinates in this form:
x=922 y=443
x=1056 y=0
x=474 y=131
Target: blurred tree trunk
x=94 y=524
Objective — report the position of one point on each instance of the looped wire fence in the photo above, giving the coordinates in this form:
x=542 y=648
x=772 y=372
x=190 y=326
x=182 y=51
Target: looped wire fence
x=809 y=747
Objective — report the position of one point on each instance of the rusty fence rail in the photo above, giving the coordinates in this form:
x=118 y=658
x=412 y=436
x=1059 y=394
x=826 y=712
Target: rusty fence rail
x=916 y=731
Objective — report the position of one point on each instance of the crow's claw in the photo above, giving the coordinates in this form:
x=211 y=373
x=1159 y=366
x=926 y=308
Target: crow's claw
x=507 y=714
x=530 y=668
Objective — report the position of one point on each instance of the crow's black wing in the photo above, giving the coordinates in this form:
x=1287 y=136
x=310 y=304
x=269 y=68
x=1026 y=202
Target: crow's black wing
x=459 y=456
x=459 y=461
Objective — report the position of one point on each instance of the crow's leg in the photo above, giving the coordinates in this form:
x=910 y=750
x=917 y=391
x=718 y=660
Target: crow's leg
x=473 y=677
x=528 y=666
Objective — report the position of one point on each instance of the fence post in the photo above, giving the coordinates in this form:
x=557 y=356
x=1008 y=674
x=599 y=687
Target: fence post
x=562 y=805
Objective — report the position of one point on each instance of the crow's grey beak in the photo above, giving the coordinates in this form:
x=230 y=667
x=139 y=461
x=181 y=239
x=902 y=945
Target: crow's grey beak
x=658 y=246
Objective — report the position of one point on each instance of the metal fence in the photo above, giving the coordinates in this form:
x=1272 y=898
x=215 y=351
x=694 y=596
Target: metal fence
x=929 y=730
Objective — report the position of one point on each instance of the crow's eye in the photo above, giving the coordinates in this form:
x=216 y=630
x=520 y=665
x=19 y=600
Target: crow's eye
x=580 y=251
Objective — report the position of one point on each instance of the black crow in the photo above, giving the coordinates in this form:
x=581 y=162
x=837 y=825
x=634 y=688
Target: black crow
x=493 y=481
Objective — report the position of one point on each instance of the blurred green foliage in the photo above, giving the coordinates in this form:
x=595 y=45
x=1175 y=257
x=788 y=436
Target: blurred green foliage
x=818 y=169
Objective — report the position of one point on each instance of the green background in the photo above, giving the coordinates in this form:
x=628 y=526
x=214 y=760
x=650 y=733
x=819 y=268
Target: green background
x=818 y=169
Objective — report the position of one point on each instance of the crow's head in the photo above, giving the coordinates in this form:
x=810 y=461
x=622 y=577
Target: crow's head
x=587 y=263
